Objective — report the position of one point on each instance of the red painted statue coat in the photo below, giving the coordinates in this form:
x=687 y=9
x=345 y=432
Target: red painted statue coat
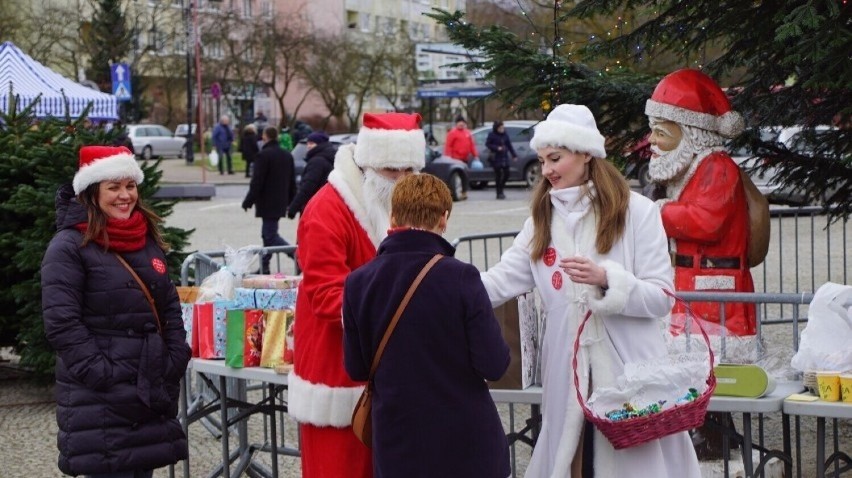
x=709 y=223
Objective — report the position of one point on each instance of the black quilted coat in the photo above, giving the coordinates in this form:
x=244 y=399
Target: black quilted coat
x=117 y=378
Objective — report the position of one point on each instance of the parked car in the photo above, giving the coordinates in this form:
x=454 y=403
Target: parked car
x=300 y=150
x=155 y=141
x=181 y=131
x=525 y=168
x=796 y=138
x=453 y=172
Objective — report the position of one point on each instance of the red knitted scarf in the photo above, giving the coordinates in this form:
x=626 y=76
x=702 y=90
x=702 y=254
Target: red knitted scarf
x=125 y=235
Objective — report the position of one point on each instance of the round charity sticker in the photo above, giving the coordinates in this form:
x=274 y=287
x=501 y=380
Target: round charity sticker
x=549 y=256
x=556 y=280
x=158 y=265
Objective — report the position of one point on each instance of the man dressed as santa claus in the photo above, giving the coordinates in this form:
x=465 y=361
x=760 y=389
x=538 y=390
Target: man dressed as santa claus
x=705 y=212
x=339 y=230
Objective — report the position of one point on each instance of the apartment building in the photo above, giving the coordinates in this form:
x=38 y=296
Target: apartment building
x=162 y=32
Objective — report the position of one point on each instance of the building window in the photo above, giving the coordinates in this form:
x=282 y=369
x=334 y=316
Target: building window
x=247 y=7
x=180 y=44
x=266 y=9
x=364 y=21
x=157 y=40
x=351 y=19
x=214 y=49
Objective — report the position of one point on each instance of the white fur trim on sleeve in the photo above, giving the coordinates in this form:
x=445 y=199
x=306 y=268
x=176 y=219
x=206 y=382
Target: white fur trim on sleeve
x=621 y=283
x=319 y=404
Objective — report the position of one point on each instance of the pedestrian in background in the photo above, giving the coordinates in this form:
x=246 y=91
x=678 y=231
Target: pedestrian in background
x=113 y=317
x=272 y=187
x=459 y=145
x=319 y=161
x=432 y=412
x=500 y=145
x=339 y=231
x=590 y=244
x=223 y=138
x=249 y=147
x=285 y=140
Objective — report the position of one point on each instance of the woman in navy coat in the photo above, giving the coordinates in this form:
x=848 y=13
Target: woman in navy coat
x=500 y=145
x=432 y=411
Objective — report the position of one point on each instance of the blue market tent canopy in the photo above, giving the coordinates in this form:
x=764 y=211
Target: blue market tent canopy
x=59 y=95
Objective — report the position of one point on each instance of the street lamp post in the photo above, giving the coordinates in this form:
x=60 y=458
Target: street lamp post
x=190 y=145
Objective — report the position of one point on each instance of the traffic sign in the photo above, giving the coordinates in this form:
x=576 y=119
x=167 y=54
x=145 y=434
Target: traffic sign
x=216 y=90
x=120 y=73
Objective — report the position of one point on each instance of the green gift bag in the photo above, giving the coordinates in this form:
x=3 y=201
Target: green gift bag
x=236 y=338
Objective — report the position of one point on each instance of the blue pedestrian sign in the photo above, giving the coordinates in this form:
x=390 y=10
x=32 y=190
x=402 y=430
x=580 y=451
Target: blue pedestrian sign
x=120 y=73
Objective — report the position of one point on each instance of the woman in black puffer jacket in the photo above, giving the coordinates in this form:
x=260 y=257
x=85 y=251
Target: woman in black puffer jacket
x=119 y=362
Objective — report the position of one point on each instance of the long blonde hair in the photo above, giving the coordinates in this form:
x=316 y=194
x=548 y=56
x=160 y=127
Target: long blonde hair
x=609 y=204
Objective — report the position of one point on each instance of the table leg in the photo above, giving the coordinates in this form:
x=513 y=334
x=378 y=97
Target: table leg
x=223 y=416
x=820 y=451
x=272 y=425
x=184 y=414
x=785 y=427
x=746 y=449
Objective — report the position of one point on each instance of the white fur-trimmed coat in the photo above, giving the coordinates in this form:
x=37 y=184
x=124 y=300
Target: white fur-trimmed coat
x=624 y=328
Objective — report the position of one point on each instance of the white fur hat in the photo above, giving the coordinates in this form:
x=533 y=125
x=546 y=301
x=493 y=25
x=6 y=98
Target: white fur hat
x=572 y=127
x=391 y=140
x=102 y=163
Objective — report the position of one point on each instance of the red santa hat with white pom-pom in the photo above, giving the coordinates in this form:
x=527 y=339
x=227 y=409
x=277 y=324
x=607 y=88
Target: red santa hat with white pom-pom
x=692 y=98
x=391 y=140
x=105 y=163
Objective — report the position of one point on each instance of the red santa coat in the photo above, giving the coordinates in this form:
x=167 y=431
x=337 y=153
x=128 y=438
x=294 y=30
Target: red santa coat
x=332 y=243
x=708 y=221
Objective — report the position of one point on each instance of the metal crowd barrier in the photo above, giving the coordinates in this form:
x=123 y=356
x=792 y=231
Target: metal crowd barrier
x=198 y=265
x=806 y=249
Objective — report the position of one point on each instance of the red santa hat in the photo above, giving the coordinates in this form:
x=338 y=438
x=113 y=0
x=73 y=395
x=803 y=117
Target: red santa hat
x=103 y=163
x=572 y=127
x=692 y=98
x=391 y=140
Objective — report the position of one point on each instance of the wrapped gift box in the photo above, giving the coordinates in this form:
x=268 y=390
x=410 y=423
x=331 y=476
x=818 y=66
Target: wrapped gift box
x=264 y=299
x=271 y=281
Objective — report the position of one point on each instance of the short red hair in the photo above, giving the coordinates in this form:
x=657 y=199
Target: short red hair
x=420 y=200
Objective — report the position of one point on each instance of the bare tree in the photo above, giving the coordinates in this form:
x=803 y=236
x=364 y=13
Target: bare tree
x=285 y=44
x=329 y=72
x=397 y=76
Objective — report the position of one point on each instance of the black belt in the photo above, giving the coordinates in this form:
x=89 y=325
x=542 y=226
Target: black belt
x=708 y=262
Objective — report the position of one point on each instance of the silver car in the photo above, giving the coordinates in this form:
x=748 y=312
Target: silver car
x=155 y=141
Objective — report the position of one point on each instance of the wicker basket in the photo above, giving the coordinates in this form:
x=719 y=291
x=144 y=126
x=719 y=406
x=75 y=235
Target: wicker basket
x=636 y=431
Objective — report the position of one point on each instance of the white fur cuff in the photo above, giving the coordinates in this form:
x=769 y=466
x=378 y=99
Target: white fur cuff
x=620 y=282
x=319 y=404
x=120 y=166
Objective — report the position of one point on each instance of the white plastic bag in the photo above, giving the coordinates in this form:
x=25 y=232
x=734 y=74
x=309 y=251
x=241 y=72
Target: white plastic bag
x=826 y=340
x=214 y=158
x=221 y=284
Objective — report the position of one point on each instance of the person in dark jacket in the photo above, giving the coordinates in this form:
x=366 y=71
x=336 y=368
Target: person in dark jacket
x=223 y=137
x=119 y=357
x=500 y=145
x=272 y=188
x=248 y=146
x=432 y=412
x=319 y=161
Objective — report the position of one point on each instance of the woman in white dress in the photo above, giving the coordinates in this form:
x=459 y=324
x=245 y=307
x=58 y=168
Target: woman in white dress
x=590 y=244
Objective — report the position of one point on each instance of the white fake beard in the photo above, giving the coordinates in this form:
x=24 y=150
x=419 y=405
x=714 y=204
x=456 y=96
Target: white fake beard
x=669 y=164
x=377 y=201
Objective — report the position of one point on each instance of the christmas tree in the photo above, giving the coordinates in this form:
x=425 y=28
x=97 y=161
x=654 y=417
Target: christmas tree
x=36 y=157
